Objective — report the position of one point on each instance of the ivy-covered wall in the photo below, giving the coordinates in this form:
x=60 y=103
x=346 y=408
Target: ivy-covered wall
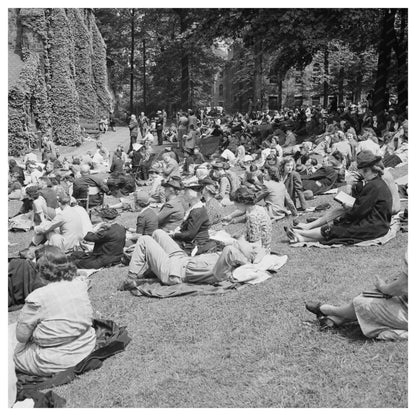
x=62 y=80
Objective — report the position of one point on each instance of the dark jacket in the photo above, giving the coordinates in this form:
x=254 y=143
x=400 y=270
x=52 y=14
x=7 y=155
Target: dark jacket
x=116 y=165
x=108 y=248
x=294 y=188
x=171 y=214
x=321 y=181
x=134 y=128
x=147 y=222
x=369 y=217
x=82 y=184
x=50 y=197
x=23 y=279
x=20 y=173
x=195 y=228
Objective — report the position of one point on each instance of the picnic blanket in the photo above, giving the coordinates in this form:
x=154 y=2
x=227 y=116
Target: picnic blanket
x=394 y=227
x=22 y=222
x=248 y=274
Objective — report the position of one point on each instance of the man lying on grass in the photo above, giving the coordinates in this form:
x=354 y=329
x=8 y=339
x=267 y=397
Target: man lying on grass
x=163 y=256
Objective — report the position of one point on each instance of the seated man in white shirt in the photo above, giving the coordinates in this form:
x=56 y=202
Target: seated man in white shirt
x=33 y=174
x=68 y=224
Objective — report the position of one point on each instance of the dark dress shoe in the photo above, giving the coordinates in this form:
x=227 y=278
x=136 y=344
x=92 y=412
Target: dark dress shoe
x=315 y=308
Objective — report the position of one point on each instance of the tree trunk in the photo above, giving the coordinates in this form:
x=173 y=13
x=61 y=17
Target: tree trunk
x=341 y=86
x=400 y=47
x=280 y=92
x=132 y=63
x=359 y=82
x=184 y=64
x=326 y=76
x=144 y=76
x=383 y=66
x=258 y=74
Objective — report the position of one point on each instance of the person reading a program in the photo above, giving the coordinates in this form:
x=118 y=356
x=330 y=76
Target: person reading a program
x=368 y=218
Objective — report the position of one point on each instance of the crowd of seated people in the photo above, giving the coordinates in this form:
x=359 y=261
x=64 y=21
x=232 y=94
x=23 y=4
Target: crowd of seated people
x=262 y=167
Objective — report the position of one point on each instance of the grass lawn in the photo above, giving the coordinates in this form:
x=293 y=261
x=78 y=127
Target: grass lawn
x=256 y=347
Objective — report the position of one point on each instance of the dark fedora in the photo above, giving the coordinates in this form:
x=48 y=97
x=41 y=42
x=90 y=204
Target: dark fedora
x=366 y=159
x=196 y=186
x=207 y=181
x=108 y=213
x=174 y=182
x=221 y=165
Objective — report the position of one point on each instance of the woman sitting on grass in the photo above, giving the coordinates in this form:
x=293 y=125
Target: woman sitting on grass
x=54 y=330
x=257 y=236
x=368 y=219
x=382 y=317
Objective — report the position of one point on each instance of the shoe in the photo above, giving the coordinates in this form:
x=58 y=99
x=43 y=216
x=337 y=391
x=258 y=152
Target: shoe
x=127 y=285
x=314 y=307
x=290 y=234
x=326 y=323
x=322 y=207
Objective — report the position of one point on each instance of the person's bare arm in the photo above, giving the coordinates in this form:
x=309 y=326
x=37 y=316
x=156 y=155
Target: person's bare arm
x=398 y=287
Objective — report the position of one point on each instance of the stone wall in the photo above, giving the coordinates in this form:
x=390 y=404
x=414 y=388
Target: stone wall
x=57 y=75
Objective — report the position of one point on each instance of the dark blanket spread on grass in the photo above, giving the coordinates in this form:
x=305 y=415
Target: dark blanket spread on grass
x=111 y=339
x=157 y=290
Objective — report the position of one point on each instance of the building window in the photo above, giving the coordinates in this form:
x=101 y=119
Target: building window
x=273 y=79
x=316 y=100
x=273 y=102
x=221 y=90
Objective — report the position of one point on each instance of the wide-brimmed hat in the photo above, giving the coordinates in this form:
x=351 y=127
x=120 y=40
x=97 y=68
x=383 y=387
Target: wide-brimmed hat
x=207 y=181
x=366 y=159
x=108 y=213
x=220 y=165
x=174 y=182
x=194 y=185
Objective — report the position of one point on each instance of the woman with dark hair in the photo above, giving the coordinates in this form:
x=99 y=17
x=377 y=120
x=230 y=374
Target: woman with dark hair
x=54 y=329
x=258 y=231
x=368 y=219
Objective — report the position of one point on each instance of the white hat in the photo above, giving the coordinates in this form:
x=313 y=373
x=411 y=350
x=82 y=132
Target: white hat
x=137 y=146
x=248 y=158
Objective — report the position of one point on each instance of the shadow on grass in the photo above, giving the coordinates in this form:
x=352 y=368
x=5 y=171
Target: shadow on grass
x=352 y=332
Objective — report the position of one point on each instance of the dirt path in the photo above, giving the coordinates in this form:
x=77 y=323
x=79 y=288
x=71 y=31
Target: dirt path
x=110 y=140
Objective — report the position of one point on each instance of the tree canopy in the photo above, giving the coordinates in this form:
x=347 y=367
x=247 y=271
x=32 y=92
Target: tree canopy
x=180 y=61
